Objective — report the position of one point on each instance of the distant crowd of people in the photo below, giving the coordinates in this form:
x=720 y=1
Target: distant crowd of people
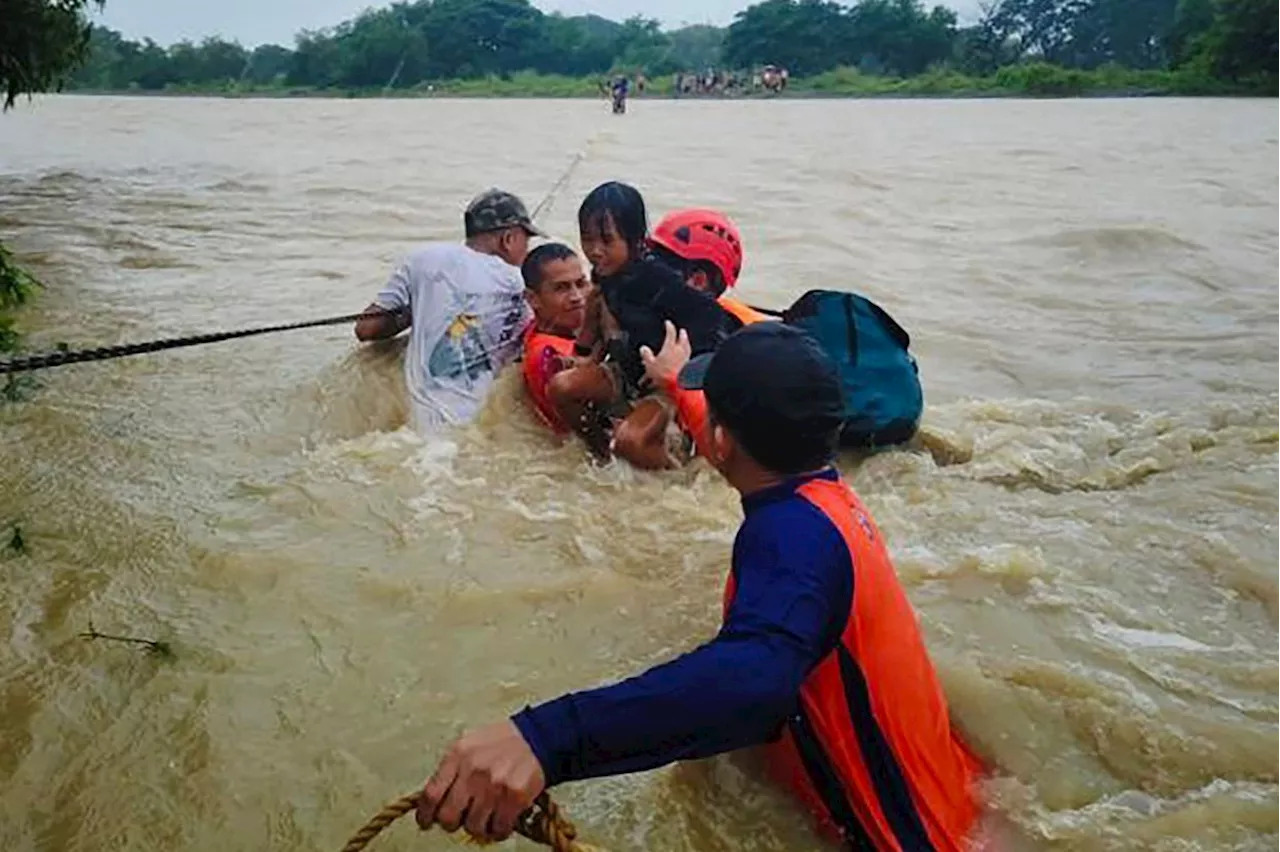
x=712 y=81
x=770 y=78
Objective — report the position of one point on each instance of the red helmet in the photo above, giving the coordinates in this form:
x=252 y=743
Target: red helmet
x=702 y=234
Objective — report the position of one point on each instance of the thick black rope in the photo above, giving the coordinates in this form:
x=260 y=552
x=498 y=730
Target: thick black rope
x=42 y=361
x=103 y=353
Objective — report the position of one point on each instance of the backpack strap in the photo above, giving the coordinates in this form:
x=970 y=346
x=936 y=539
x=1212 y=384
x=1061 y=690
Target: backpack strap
x=896 y=331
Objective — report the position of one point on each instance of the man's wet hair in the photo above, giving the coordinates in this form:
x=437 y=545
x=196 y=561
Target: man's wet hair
x=531 y=269
x=621 y=203
x=686 y=268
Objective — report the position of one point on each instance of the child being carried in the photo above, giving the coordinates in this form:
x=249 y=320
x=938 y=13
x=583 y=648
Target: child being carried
x=635 y=294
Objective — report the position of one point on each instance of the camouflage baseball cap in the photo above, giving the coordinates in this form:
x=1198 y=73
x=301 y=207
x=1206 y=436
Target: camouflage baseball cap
x=495 y=209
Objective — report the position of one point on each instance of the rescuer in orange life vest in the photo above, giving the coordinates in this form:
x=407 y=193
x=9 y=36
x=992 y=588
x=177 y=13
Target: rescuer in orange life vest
x=819 y=659
x=705 y=247
x=556 y=287
x=701 y=244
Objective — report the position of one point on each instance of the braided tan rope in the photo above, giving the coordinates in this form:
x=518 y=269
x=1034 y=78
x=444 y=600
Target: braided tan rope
x=543 y=823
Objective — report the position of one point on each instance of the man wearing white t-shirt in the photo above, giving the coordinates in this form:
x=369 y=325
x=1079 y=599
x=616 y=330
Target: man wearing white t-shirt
x=465 y=307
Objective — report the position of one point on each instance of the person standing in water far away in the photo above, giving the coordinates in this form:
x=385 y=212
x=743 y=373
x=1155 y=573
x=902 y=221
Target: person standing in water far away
x=621 y=88
x=820 y=657
x=465 y=308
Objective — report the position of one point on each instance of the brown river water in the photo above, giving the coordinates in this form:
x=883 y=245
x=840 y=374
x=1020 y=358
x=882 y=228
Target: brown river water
x=1087 y=524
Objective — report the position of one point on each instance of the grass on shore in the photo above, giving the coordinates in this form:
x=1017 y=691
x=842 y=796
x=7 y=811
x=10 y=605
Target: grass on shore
x=1038 y=80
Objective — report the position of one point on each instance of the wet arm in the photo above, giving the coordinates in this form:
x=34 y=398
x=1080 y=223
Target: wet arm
x=383 y=323
x=793 y=596
x=391 y=309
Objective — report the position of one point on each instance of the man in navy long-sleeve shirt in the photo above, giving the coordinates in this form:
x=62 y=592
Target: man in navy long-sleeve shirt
x=794 y=589
x=783 y=660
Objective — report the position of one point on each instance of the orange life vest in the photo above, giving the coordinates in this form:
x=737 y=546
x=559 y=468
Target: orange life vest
x=871 y=750
x=691 y=405
x=745 y=313
x=539 y=365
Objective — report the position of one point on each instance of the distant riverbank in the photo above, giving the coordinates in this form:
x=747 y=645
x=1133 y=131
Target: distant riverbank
x=1032 y=80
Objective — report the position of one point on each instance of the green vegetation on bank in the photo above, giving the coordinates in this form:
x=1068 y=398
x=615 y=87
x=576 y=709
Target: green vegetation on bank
x=1034 y=80
x=17 y=286
x=869 y=47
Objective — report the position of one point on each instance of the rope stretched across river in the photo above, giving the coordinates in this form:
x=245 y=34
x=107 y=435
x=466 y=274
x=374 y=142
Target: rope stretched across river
x=543 y=823
x=102 y=353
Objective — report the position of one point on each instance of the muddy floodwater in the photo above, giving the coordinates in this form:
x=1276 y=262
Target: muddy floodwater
x=1087 y=523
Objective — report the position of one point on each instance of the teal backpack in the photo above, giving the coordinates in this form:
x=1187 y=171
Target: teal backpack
x=883 y=397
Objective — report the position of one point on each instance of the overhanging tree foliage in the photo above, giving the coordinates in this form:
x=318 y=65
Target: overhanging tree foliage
x=41 y=41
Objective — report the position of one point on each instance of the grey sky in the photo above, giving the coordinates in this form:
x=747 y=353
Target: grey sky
x=253 y=22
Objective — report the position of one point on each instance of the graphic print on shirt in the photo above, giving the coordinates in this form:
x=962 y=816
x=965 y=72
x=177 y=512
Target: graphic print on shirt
x=462 y=354
x=518 y=316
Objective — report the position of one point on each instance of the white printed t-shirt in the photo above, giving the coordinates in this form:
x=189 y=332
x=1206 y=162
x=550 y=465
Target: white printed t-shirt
x=469 y=318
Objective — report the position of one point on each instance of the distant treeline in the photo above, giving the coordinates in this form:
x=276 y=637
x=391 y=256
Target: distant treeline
x=412 y=45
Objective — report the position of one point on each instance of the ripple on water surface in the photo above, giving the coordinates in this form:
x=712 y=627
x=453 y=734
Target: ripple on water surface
x=1086 y=524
